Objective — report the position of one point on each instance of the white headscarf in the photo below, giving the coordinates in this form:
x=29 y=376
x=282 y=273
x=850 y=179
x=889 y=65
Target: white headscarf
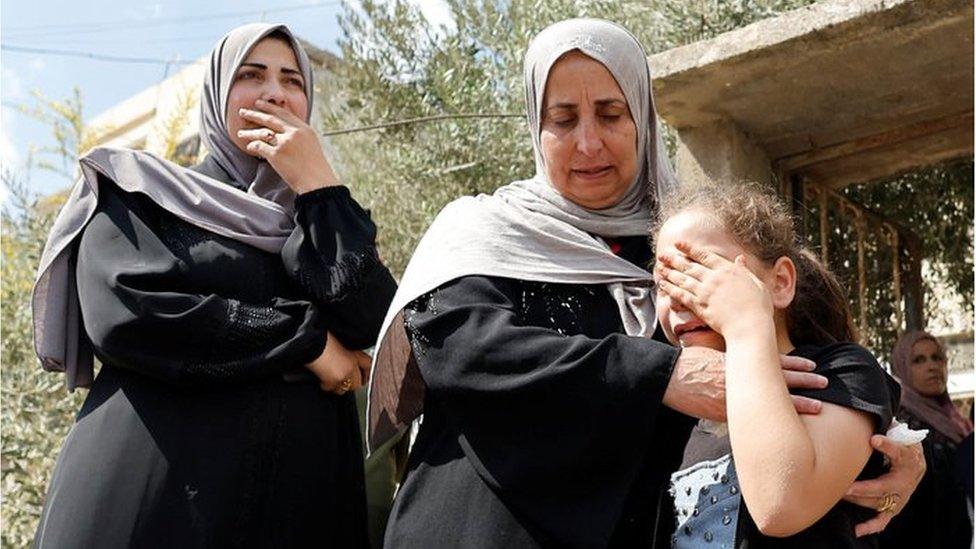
x=528 y=231
x=262 y=216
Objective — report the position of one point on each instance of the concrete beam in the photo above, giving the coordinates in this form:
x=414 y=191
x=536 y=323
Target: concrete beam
x=891 y=159
x=834 y=76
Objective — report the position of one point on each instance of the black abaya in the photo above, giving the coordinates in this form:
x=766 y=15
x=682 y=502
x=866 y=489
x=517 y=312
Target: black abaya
x=203 y=428
x=543 y=424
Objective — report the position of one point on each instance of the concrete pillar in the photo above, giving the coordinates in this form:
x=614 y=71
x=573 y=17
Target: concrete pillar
x=720 y=151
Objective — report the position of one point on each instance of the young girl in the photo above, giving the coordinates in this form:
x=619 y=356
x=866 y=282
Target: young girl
x=731 y=277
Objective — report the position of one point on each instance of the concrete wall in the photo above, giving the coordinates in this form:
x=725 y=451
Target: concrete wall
x=720 y=151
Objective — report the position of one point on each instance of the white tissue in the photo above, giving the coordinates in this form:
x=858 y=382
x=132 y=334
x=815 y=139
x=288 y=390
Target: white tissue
x=900 y=433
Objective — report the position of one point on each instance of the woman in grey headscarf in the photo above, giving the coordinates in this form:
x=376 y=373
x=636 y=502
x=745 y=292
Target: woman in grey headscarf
x=524 y=331
x=224 y=302
x=530 y=317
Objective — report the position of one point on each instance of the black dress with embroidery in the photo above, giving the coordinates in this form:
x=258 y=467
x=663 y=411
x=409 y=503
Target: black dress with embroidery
x=202 y=427
x=543 y=424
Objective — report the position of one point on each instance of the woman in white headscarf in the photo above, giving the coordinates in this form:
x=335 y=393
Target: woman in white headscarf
x=224 y=302
x=524 y=331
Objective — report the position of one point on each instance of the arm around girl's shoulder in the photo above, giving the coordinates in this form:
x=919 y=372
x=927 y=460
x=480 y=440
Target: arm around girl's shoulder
x=818 y=456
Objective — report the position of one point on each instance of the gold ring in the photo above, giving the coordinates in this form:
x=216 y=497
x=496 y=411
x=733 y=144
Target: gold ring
x=888 y=503
x=344 y=386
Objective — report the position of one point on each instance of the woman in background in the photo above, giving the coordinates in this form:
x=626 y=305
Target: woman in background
x=936 y=516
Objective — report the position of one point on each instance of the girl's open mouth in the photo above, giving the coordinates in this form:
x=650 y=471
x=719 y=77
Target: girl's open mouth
x=691 y=327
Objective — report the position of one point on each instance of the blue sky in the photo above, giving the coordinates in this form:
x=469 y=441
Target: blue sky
x=177 y=29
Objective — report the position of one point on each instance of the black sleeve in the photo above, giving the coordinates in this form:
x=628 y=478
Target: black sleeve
x=557 y=425
x=855 y=380
x=138 y=315
x=332 y=256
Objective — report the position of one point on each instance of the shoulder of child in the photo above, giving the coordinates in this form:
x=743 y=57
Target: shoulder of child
x=856 y=377
x=841 y=354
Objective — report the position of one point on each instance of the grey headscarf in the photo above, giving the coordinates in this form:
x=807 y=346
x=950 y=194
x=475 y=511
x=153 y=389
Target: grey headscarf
x=528 y=231
x=261 y=216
